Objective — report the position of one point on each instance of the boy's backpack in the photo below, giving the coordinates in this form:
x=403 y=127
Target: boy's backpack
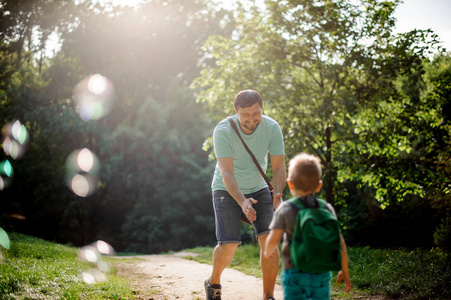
x=315 y=246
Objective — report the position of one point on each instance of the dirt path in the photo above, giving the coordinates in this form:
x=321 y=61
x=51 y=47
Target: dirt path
x=172 y=277
x=168 y=277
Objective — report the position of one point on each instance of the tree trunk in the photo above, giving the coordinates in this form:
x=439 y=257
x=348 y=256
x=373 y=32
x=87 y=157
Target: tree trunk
x=329 y=169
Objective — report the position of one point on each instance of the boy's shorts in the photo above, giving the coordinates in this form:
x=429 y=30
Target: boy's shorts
x=298 y=285
x=228 y=213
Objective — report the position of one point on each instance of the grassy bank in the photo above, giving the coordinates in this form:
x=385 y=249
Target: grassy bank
x=35 y=269
x=396 y=274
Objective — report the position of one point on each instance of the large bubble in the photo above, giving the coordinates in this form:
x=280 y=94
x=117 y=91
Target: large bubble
x=6 y=173
x=97 y=268
x=4 y=239
x=14 y=139
x=4 y=242
x=94 y=97
x=82 y=168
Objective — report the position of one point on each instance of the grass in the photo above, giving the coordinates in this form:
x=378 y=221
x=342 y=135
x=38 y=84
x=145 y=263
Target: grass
x=36 y=269
x=401 y=273
x=394 y=273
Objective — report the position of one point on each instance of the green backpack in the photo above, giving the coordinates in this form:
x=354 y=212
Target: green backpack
x=315 y=246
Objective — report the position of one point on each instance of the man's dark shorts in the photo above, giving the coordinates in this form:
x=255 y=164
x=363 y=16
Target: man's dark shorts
x=228 y=213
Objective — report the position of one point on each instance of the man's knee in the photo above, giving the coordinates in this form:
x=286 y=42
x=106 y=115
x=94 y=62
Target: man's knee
x=262 y=240
x=228 y=248
x=223 y=253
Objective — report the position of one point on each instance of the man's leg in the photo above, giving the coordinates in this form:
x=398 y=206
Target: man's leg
x=222 y=256
x=270 y=268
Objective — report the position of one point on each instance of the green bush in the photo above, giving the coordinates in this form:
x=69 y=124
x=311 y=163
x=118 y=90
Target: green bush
x=442 y=235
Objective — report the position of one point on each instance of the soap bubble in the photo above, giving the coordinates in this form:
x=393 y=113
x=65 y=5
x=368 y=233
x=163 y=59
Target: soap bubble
x=6 y=173
x=4 y=239
x=82 y=167
x=89 y=254
x=97 y=267
x=94 y=97
x=15 y=139
x=93 y=276
x=85 y=160
x=4 y=182
x=6 y=168
x=104 y=248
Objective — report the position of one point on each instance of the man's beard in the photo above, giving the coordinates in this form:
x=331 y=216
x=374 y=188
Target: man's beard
x=251 y=127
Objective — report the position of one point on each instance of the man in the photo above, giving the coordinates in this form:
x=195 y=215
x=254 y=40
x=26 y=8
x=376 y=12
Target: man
x=239 y=188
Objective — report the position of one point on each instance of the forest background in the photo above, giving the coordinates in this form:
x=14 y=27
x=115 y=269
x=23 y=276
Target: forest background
x=375 y=106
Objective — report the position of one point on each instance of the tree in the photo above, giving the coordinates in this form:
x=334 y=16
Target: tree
x=26 y=26
x=330 y=82
x=164 y=177
x=437 y=126
x=151 y=141
x=149 y=166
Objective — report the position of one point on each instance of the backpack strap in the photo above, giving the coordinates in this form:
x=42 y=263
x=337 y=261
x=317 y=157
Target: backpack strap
x=302 y=203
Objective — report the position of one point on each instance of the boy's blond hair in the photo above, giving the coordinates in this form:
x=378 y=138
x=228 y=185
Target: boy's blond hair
x=304 y=170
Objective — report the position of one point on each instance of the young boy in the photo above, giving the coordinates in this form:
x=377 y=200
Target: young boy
x=304 y=180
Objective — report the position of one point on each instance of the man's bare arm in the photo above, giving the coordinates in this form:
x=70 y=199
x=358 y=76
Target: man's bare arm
x=279 y=179
x=225 y=165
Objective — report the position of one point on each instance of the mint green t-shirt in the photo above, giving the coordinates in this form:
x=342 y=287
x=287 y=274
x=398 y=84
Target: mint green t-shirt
x=267 y=138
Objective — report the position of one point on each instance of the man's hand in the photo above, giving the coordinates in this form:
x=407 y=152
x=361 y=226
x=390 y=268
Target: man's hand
x=277 y=200
x=248 y=210
x=344 y=276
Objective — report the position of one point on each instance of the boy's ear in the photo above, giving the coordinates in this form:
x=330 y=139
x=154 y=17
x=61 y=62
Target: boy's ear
x=320 y=185
x=290 y=185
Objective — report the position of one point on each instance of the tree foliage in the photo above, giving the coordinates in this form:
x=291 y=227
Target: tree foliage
x=330 y=82
x=344 y=87
x=149 y=145
x=371 y=104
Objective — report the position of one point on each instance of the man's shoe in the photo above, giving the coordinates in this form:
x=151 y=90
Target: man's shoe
x=271 y=298
x=213 y=291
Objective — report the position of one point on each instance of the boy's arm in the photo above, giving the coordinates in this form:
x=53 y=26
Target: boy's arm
x=272 y=241
x=344 y=273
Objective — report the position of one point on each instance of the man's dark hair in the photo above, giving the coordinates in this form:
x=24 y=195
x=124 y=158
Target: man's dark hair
x=247 y=98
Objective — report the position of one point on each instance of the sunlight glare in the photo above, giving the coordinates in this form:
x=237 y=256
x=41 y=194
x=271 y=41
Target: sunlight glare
x=97 y=84
x=132 y=3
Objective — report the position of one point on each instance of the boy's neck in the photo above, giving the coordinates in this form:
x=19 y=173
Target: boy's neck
x=300 y=193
